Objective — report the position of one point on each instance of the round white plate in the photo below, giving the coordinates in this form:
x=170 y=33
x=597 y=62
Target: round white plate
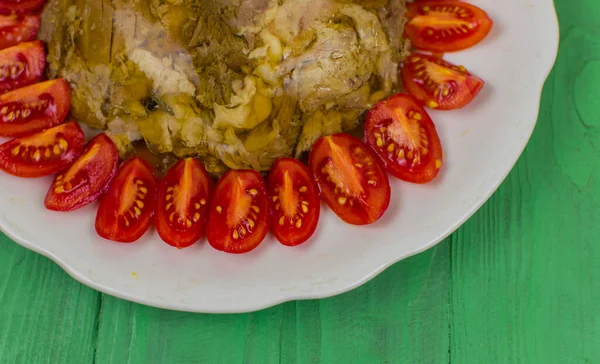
x=481 y=145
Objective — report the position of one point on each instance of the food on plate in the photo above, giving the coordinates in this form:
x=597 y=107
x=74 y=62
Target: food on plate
x=21 y=65
x=403 y=135
x=238 y=84
x=351 y=178
x=17 y=28
x=126 y=210
x=20 y=6
x=34 y=108
x=445 y=26
x=234 y=88
x=183 y=200
x=86 y=179
x=295 y=203
x=43 y=153
x=238 y=220
x=439 y=84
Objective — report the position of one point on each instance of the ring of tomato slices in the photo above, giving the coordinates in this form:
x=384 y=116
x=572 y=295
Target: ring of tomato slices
x=403 y=135
x=352 y=181
x=445 y=26
x=182 y=206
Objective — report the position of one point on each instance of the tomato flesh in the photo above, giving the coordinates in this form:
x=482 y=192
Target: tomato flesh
x=17 y=28
x=439 y=84
x=446 y=26
x=43 y=153
x=20 y=6
x=403 y=135
x=86 y=179
x=21 y=65
x=126 y=210
x=238 y=220
x=294 y=197
x=182 y=206
x=33 y=108
x=351 y=178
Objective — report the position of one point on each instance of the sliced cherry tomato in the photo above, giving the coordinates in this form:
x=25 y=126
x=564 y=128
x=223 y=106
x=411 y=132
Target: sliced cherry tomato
x=295 y=205
x=20 y=6
x=439 y=84
x=446 y=26
x=33 y=108
x=86 y=179
x=21 y=65
x=238 y=220
x=126 y=210
x=17 y=28
x=43 y=153
x=403 y=135
x=351 y=178
x=183 y=200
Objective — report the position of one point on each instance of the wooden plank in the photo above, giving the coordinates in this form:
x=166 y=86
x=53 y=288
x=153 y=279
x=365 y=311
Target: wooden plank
x=525 y=269
x=45 y=315
x=399 y=316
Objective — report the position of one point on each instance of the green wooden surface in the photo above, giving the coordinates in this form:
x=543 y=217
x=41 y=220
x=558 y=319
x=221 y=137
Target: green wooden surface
x=519 y=283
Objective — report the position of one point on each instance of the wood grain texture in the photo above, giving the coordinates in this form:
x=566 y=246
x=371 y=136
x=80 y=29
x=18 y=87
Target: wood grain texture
x=45 y=316
x=519 y=283
x=526 y=268
x=396 y=318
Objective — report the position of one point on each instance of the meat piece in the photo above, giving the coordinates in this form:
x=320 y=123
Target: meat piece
x=238 y=83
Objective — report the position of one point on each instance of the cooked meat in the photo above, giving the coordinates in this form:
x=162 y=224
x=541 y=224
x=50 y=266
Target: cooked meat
x=236 y=82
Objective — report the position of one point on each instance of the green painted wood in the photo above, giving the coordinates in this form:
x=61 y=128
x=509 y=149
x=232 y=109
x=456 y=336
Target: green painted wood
x=394 y=319
x=519 y=283
x=526 y=268
x=45 y=316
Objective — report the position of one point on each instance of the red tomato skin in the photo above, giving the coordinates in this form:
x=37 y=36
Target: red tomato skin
x=286 y=233
x=219 y=233
x=370 y=209
x=17 y=28
x=177 y=236
x=27 y=60
x=21 y=6
x=110 y=225
x=55 y=94
x=99 y=170
x=380 y=115
x=420 y=39
x=71 y=132
x=461 y=94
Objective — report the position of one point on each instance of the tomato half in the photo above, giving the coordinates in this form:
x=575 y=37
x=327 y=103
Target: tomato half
x=295 y=205
x=20 y=6
x=439 y=84
x=21 y=65
x=86 y=179
x=33 y=108
x=126 y=210
x=238 y=220
x=403 y=135
x=17 y=28
x=182 y=206
x=351 y=178
x=43 y=153
x=446 y=26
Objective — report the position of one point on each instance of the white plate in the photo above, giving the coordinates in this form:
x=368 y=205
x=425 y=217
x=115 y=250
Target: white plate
x=481 y=144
